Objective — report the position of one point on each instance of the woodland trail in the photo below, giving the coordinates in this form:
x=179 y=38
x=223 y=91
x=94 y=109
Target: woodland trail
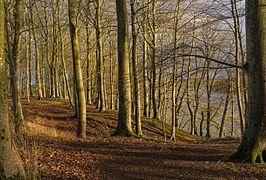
x=51 y=141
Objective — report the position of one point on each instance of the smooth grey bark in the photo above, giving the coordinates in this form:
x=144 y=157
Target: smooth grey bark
x=37 y=52
x=78 y=80
x=173 y=130
x=111 y=68
x=8 y=166
x=13 y=59
x=154 y=58
x=27 y=72
x=226 y=106
x=124 y=127
x=237 y=61
x=65 y=74
x=53 y=63
x=137 y=109
x=144 y=72
x=100 y=73
x=88 y=69
x=253 y=146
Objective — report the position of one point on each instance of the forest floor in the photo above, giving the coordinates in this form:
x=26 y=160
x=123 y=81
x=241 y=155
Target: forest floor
x=50 y=144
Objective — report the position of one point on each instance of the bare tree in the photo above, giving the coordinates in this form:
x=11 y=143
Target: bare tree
x=253 y=146
x=124 y=127
x=8 y=166
x=79 y=87
x=13 y=37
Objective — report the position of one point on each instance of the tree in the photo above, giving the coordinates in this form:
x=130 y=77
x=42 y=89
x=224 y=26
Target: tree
x=153 y=47
x=177 y=10
x=124 y=113
x=54 y=59
x=144 y=70
x=237 y=59
x=100 y=67
x=37 y=51
x=79 y=87
x=8 y=166
x=137 y=108
x=253 y=146
x=13 y=36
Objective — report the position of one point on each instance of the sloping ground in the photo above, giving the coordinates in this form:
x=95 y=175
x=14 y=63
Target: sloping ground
x=60 y=155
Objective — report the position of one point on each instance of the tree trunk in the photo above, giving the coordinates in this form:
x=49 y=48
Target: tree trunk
x=79 y=87
x=226 y=104
x=102 y=103
x=237 y=60
x=173 y=131
x=232 y=111
x=111 y=73
x=144 y=74
x=37 y=54
x=154 y=53
x=254 y=141
x=65 y=76
x=13 y=63
x=124 y=127
x=134 y=69
x=88 y=55
x=8 y=166
x=27 y=72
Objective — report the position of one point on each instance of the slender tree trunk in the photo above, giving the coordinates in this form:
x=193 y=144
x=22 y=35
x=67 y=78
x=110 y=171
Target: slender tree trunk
x=202 y=123
x=8 y=166
x=192 y=127
x=154 y=53
x=102 y=103
x=226 y=104
x=232 y=110
x=65 y=75
x=124 y=127
x=88 y=55
x=144 y=67
x=79 y=87
x=134 y=69
x=43 y=76
x=237 y=59
x=27 y=72
x=37 y=53
x=173 y=131
x=13 y=63
x=30 y=52
x=208 y=118
x=111 y=74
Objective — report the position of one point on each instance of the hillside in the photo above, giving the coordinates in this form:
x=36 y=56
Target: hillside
x=51 y=148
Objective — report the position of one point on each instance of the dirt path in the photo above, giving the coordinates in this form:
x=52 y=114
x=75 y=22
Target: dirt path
x=61 y=155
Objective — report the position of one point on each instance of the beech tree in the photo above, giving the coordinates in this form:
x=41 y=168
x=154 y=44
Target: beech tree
x=136 y=94
x=79 y=87
x=37 y=51
x=100 y=69
x=8 y=166
x=237 y=61
x=13 y=38
x=253 y=146
x=124 y=127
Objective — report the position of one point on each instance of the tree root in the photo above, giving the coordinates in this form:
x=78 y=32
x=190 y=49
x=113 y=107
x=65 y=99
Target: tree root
x=125 y=133
x=253 y=153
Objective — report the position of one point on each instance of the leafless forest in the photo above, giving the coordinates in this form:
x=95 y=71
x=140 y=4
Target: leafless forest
x=132 y=89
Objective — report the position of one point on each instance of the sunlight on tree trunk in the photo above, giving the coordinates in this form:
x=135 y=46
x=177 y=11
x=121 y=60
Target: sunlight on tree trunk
x=79 y=87
x=8 y=165
x=253 y=145
x=124 y=127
